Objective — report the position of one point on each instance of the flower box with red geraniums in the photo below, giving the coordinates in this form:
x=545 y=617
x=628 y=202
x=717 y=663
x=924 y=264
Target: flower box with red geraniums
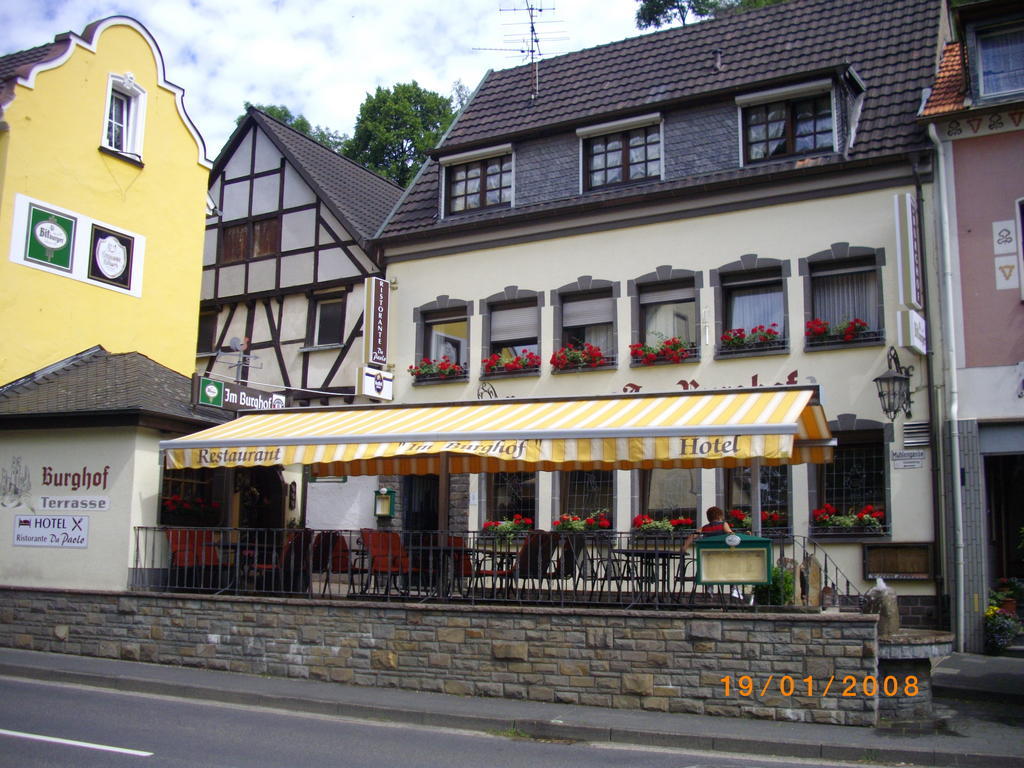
x=759 y=337
x=595 y=521
x=645 y=525
x=820 y=333
x=526 y=362
x=179 y=510
x=507 y=530
x=578 y=358
x=668 y=351
x=773 y=523
x=827 y=520
x=432 y=370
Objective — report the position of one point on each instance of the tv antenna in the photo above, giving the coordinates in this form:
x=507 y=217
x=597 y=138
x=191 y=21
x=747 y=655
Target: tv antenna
x=528 y=44
x=240 y=347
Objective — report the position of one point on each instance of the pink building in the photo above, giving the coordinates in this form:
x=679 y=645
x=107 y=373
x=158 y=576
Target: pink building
x=975 y=116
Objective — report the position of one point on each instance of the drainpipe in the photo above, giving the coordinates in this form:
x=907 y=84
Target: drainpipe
x=953 y=399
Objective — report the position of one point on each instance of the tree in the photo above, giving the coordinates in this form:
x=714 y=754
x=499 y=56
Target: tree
x=395 y=129
x=333 y=140
x=662 y=13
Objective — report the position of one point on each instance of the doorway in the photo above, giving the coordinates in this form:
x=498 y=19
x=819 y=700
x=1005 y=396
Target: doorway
x=1004 y=477
x=419 y=502
x=262 y=498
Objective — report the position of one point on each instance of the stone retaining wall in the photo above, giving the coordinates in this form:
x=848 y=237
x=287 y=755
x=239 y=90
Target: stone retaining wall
x=670 y=661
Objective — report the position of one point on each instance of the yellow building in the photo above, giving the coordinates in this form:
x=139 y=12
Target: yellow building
x=102 y=188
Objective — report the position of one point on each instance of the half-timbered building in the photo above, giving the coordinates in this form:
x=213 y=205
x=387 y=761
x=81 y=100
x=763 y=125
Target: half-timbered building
x=284 y=263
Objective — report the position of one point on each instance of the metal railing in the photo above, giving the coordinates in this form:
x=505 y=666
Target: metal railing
x=536 y=567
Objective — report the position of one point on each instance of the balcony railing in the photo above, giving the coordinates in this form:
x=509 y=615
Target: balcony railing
x=537 y=567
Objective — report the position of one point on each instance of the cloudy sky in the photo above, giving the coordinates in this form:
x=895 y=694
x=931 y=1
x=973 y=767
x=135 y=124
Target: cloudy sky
x=321 y=57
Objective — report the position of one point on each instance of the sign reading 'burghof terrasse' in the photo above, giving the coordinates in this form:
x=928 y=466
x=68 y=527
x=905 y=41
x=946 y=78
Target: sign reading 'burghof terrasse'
x=63 y=531
x=57 y=483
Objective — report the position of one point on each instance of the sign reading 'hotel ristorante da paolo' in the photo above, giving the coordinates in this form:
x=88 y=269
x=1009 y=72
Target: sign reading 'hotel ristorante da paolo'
x=375 y=319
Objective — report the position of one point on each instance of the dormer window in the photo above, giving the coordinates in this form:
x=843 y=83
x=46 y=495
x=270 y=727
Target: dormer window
x=787 y=121
x=124 y=117
x=1001 y=59
x=475 y=180
x=622 y=152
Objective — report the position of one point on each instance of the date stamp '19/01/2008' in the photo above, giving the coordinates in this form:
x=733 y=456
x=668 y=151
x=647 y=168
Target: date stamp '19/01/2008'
x=845 y=686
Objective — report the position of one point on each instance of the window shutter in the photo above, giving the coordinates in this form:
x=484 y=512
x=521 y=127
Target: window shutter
x=588 y=312
x=663 y=295
x=514 y=323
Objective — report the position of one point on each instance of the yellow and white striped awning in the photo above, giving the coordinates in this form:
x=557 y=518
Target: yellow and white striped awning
x=783 y=425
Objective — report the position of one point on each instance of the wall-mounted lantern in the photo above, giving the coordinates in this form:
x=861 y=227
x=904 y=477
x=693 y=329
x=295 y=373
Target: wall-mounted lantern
x=384 y=502
x=894 y=386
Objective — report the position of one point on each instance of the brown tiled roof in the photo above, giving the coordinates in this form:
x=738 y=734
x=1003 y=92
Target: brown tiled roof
x=889 y=45
x=358 y=197
x=96 y=382
x=950 y=87
x=12 y=62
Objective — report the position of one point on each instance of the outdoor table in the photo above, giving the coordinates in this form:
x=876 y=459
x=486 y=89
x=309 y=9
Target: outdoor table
x=652 y=569
x=441 y=562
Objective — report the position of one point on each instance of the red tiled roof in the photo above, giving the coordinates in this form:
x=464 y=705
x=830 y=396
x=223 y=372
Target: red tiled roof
x=950 y=83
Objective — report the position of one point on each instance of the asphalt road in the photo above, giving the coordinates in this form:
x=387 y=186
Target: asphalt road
x=47 y=724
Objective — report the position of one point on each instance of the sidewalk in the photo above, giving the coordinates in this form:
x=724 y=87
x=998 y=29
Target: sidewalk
x=980 y=734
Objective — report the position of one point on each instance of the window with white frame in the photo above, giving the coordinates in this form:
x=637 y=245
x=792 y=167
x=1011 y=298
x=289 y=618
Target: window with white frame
x=773 y=486
x=843 y=295
x=124 y=117
x=511 y=493
x=750 y=305
x=794 y=120
x=587 y=491
x=669 y=494
x=442 y=330
x=479 y=179
x=513 y=333
x=668 y=311
x=621 y=152
x=329 y=325
x=1001 y=59
x=853 y=485
x=589 y=319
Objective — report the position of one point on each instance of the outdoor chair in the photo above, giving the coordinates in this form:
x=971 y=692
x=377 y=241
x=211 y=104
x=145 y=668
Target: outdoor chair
x=332 y=555
x=387 y=561
x=195 y=559
x=289 y=573
x=572 y=561
x=531 y=564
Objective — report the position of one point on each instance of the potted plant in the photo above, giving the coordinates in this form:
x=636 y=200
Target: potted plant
x=1007 y=594
x=570 y=357
x=520 y=363
x=1001 y=628
x=667 y=350
x=443 y=368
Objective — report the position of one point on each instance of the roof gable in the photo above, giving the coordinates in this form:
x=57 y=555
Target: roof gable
x=22 y=67
x=359 y=198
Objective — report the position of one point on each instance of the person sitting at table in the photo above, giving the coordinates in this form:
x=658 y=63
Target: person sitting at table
x=715 y=526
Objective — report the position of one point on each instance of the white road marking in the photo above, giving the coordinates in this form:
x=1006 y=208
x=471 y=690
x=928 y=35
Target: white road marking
x=72 y=743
